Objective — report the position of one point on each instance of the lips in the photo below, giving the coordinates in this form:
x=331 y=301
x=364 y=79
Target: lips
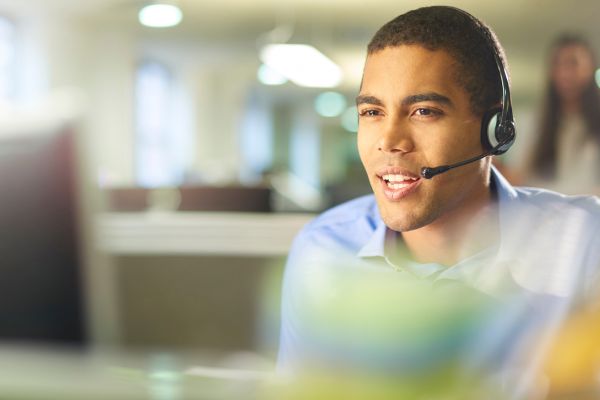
x=398 y=183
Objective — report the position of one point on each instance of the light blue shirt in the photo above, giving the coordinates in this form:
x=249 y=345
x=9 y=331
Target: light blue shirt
x=548 y=257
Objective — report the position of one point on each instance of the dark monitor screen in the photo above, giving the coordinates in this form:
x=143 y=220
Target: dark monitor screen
x=40 y=288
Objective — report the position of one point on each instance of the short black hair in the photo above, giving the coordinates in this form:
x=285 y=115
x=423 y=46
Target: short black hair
x=468 y=40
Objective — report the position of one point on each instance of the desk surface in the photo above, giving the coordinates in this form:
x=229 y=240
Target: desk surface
x=36 y=372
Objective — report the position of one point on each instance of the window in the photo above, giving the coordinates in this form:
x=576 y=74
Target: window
x=7 y=59
x=153 y=95
x=256 y=139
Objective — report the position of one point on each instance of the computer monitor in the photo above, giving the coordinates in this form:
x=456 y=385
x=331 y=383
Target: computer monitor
x=41 y=297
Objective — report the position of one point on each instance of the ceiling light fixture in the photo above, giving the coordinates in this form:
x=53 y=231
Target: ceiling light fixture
x=160 y=15
x=269 y=76
x=302 y=64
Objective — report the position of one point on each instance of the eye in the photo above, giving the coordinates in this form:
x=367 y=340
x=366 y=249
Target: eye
x=427 y=112
x=369 y=112
x=424 y=112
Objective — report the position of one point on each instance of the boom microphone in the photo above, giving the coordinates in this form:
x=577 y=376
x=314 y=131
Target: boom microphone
x=430 y=172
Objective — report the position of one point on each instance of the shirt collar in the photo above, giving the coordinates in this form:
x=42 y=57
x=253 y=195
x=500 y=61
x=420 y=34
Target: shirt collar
x=505 y=191
x=375 y=246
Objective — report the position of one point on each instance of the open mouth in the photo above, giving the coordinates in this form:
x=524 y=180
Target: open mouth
x=398 y=181
x=398 y=186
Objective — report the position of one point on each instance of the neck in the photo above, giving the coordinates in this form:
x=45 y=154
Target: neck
x=458 y=234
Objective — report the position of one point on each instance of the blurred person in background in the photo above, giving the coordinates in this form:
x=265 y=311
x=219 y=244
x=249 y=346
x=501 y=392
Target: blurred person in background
x=366 y=283
x=566 y=156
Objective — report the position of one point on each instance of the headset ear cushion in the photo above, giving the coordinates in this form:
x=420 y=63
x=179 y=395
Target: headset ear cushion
x=497 y=136
x=489 y=125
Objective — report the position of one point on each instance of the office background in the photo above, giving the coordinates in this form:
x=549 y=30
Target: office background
x=192 y=118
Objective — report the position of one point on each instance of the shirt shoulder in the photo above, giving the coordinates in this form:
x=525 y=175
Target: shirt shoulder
x=549 y=199
x=347 y=226
x=350 y=212
x=560 y=232
x=325 y=244
x=561 y=211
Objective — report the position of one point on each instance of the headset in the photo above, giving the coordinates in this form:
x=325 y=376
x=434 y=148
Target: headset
x=498 y=131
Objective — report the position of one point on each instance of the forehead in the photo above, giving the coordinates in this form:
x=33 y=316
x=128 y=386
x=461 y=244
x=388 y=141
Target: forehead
x=408 y=69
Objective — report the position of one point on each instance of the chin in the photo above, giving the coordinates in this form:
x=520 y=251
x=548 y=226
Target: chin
x=402 y=218
x=402 y=221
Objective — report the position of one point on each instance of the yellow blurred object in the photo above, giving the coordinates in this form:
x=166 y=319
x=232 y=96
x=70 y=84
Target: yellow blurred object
x=326 y=384
x=573 y=362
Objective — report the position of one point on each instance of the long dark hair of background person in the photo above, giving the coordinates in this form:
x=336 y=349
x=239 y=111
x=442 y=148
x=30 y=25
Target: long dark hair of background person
x=545 y=158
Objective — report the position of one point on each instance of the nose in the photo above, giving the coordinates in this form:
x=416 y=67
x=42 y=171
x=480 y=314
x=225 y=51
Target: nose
x=395 y=138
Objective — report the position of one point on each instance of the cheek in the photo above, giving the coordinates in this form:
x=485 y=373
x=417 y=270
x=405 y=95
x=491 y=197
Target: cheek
x=453 y=143
x=468 y=139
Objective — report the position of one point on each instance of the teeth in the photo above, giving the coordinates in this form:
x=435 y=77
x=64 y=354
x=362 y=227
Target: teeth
x=397 y=185
x=398 y=178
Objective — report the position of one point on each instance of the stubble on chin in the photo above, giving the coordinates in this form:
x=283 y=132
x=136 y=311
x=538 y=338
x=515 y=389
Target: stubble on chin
x=401 y=220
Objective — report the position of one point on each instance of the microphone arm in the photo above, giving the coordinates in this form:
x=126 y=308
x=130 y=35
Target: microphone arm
x=430 y=172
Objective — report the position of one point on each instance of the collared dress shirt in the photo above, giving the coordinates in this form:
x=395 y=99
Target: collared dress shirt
x=341 y=273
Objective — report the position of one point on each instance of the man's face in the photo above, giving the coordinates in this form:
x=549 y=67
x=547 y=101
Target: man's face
x=412 y=114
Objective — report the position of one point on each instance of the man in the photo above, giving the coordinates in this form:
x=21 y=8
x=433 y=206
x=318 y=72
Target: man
x=433 y=88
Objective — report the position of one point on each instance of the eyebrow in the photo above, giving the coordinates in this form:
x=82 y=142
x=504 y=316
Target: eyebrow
x=431 y=96
x=364 y=99
x=407 y=101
